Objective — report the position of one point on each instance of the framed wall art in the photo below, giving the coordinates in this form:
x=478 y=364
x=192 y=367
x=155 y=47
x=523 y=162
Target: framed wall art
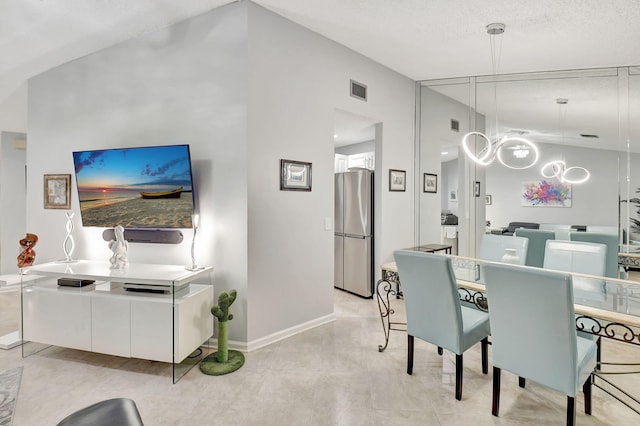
x=397 y=180
x=430 y=183
x=57 y=191
x=295 y=175
x=546 y=193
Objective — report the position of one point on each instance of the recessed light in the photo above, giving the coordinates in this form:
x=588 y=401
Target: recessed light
x=335 y=136
x=444 y=152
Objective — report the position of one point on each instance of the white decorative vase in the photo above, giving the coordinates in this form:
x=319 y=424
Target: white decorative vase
x=511 y=256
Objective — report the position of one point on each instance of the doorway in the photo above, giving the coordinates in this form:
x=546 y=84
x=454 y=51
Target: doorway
x=355 y=139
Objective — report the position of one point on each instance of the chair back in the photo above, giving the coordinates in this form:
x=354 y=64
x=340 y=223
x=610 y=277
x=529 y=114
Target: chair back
x=511 y=228
x=561 y=230
x=537 y=244
x=581 y=257
x=575 y=256
x=603 y=229
x=492 y=247
x=533 y=329
x=610 y=241
x=431 y=298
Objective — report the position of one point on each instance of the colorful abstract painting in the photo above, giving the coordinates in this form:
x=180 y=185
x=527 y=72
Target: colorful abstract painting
x=546 y=193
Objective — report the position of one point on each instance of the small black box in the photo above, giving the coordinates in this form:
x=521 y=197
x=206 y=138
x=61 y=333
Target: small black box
x=72 y=282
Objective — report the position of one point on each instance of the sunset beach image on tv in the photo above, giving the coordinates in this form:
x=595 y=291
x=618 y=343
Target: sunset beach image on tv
x=142 y=187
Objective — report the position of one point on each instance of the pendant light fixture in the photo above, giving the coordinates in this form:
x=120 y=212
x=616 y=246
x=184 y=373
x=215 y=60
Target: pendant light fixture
x=514 y=152
x=558 y=168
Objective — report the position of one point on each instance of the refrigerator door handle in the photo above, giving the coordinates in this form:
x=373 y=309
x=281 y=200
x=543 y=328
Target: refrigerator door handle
x=362 y=237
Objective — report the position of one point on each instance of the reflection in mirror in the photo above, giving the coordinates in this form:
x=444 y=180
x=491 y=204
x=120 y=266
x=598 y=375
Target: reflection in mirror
x=630 y=211
x=594 y=129
x=445 y=113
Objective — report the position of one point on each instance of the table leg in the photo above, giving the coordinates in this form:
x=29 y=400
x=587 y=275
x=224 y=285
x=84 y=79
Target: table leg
x=385 y=289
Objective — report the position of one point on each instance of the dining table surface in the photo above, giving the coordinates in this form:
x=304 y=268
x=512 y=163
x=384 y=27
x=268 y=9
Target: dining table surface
x=609 y=299
x=605 y=307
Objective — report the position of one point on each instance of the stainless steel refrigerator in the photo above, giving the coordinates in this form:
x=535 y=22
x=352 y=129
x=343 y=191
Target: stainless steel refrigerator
x=354 y=232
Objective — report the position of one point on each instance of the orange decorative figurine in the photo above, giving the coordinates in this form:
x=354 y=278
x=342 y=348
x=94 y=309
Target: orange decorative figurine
x=28 y=254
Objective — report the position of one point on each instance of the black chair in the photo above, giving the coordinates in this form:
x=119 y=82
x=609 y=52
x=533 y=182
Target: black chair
x=118 y=411
x=515 y=225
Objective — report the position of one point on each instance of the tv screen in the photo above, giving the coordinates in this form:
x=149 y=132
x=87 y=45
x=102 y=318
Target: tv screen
x=143 y=187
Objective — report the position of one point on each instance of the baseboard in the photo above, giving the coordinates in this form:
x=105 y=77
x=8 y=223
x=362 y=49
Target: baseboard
x=275 y=337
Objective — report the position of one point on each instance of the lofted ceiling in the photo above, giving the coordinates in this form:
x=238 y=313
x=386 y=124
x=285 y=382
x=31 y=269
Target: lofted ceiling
x=420 y=39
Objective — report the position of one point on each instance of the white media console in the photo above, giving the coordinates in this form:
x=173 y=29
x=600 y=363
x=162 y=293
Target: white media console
x=105 y=317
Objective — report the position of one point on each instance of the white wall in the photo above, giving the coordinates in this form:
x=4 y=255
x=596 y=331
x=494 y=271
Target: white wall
x=244 y=88
x=296 y=81
x=449 y=175
x=357 y=148
x=12 y=199
x=183 y=84
x=594 y=202
x=629 y=190
x=13 y=110
x=436 y=112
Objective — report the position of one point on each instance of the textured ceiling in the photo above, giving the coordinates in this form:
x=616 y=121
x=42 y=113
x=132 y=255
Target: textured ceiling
x=420 y=39
x=447 y=38
x=36 y=35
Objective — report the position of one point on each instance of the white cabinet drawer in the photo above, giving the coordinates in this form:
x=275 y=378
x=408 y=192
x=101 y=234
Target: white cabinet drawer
x=60 y=318
x=110 y=321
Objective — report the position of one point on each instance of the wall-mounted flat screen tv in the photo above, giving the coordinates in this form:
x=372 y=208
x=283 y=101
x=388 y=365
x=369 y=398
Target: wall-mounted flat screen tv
x=142 y=187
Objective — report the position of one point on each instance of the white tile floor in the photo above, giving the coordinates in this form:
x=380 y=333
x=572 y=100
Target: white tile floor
x=331 y=375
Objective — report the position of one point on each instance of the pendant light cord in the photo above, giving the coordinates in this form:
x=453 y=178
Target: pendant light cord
x=496 y=51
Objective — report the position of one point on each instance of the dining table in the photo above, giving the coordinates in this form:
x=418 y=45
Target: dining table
x=607 y=308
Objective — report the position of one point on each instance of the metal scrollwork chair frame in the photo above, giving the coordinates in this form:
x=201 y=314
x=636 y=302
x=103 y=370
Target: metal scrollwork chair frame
x=387 y=288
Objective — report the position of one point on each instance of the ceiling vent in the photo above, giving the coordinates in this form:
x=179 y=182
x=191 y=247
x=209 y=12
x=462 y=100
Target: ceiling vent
x=455 y=125
x=358 y=90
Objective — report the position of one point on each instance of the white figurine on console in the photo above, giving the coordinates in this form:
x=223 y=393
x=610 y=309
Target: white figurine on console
x=119 y=248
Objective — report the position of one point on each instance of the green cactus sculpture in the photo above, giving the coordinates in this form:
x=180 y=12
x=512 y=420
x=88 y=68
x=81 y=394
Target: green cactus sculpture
x=224 y=361
x=221 y=311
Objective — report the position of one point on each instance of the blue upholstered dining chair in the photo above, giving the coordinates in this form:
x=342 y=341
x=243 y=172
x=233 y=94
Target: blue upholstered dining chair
x=609 y=240
x=537 y=244
x=576 y=256
x=537 y=340
x=492 y=247
x=583 y=258
x=603 y=229
x=434 y=313
x=560 y=229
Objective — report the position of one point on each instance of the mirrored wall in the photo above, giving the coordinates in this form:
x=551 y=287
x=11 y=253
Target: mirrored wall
x=588 y=119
